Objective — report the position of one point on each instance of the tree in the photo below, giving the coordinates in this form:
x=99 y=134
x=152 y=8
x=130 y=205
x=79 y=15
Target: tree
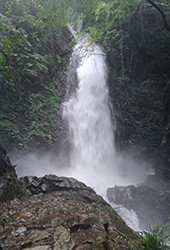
x=33 y=52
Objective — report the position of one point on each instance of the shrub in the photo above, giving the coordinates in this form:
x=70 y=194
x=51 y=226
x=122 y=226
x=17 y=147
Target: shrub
x=157 y=238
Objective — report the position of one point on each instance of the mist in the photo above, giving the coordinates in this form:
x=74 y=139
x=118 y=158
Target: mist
x=130 y=171
x=92 y=158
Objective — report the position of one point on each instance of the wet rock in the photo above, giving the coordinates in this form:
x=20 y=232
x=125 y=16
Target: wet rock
x=50 y=183
x=60 y=223
x=151 y=205
x=62 y=239
x=10 y=186
x=39 y=248
x=20 y=230
x=90 y=220
x=56 y=222
x=92 y=235
x=37 y=235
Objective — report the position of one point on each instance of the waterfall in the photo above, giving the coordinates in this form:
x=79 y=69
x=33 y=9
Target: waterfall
x=86 y=110
x=91 y=130
x=88 y=115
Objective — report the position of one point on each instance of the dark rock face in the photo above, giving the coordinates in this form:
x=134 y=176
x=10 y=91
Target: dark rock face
x=10 y=186
x=151 y=205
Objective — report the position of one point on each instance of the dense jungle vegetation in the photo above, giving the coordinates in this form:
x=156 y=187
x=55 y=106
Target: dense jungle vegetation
x=35 y=50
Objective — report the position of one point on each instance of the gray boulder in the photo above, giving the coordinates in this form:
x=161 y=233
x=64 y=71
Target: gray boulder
x=10 y=186
x=150 y=204
x=50 y=183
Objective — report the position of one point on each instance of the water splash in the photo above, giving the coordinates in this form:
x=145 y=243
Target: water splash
x=128 y=215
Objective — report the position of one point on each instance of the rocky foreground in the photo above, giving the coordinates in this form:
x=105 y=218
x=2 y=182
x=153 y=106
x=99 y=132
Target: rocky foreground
x=57 y=213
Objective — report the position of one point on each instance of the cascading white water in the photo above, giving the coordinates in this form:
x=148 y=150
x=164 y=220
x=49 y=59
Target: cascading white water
x=88 y=114
x=91 y=130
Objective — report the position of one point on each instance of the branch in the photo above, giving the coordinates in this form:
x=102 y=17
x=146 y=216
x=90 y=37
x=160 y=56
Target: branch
x=162 y=14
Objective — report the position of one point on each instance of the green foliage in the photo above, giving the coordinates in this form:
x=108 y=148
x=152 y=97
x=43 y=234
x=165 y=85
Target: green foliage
x=110 y=17
x=141 y=108
x=155 y=238
x=34 y=64
x=114 y=12
x=121 y=27
x=66 y=11
x=9 y=129
x=35 y=47
x=41 y=113
x=33 y=51
x=110 y=210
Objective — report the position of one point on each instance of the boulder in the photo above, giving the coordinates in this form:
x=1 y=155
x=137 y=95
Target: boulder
x=151 y=205
x=10 y=186
x=50 y=183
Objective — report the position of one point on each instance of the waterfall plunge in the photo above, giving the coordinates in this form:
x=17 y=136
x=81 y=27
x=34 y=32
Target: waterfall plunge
x=87 y=112
x=91 y=132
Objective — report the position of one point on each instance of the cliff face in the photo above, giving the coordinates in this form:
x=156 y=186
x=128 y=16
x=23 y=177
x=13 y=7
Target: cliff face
x=151 y=203
x=60 y=213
